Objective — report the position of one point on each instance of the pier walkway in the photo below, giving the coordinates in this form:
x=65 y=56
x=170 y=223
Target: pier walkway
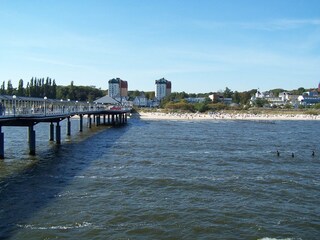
x=27 y=112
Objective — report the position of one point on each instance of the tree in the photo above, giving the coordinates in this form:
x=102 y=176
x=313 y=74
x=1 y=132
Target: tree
x=9 y=88
x=201 y=107
x=245 y=98
x=3 y=88
x=277 y=91
x=32 y=88
x=27 y=92
x=259 y=102
x=150 y=95
x=71 y=93
x=54 y=89
x=236 y=98
x=20 y=88
x=227 y=93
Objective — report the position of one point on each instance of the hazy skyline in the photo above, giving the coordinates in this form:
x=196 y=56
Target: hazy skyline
x=200 y=46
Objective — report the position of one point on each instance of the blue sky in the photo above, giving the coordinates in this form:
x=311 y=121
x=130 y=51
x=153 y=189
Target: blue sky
x=199 y=45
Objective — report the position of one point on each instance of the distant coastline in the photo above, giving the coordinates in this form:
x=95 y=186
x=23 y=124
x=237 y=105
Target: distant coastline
x=225 y=116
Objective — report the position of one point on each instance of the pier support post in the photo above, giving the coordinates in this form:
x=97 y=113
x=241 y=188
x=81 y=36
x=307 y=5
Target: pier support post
x=68 y=127
x=32 y=141
x=113 y=122
x=58 y=133
x=104 y=119
x=108 y=119
x=1 y=144
x=81 y=123
x=51 y=132
x=89 y=121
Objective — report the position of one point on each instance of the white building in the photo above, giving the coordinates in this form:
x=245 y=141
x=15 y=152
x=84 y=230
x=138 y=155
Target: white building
x=140 y=101
x=163 y=88
x=309 y=98
x=118 y=88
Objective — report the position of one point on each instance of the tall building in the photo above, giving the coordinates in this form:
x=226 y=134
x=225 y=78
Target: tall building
x=118 y=88
x=163 y=88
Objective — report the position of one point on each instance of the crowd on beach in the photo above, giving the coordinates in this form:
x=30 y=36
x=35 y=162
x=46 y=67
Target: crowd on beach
x=225 y=116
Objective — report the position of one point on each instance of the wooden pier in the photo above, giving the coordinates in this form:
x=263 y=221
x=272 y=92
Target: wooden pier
x=27 y=112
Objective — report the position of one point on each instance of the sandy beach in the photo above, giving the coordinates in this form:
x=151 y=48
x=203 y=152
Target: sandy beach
x=225 y=116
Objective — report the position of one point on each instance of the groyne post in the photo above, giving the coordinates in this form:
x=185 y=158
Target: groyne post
x=32 y=140
x=1 y=144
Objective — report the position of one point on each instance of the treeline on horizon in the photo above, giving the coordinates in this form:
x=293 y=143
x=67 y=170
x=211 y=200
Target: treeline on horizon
x=41 y=87
x=47 y=87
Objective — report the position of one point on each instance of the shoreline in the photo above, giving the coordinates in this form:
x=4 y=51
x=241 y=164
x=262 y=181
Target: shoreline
x=225 y=116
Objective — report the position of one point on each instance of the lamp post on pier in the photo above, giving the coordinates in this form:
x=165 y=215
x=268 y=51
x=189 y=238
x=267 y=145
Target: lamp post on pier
x=45 y=106
x=68 y=105
x=62 y=106
x=14 y=105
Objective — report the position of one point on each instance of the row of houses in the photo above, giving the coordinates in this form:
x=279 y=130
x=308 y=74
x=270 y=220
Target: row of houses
x=284 y=98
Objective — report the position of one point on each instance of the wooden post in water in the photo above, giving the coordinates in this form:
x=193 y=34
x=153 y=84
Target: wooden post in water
x=58 y=133
x=104 y=119
x=32 y=140
x=97 y=119
x=81 y=123
x=113 y=121
x=51 y=132
x=68 y=127
x=89 y=121
x=1 y=144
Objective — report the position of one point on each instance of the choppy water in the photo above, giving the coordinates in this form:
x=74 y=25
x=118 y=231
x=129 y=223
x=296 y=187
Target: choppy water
x=164 y=180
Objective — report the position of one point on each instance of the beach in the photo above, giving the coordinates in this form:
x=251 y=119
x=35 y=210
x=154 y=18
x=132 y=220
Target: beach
x=225 y=116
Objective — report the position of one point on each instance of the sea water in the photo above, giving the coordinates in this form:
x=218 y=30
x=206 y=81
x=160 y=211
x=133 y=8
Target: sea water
x=164 y=180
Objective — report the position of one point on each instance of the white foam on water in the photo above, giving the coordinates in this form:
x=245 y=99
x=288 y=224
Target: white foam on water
x=57 y=227
x=267 y=238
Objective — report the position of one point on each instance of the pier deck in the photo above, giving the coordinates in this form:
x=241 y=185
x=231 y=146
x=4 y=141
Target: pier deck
x=27 y=112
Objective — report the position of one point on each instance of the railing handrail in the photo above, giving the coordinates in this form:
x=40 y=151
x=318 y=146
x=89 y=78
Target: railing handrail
x=24 y=106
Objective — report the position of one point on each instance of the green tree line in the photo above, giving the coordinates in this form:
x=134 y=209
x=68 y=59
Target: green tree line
x=41 y=87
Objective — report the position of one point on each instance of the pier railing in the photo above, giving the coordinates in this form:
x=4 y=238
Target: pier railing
x=15 y=106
